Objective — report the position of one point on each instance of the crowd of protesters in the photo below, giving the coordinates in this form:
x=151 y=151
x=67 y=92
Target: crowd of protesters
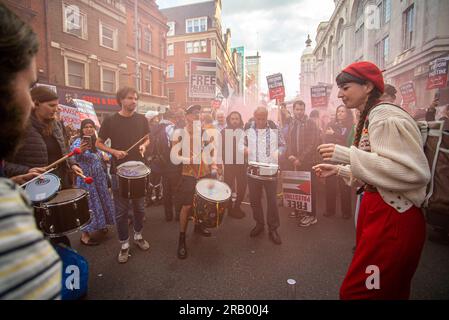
x=379 y=148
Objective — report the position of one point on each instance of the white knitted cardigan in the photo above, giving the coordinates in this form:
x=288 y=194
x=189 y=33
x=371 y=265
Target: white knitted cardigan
x=396 y=165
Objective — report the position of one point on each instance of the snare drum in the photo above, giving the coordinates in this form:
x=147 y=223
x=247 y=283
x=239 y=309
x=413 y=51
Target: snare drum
x=44 y=188
x=210 y=201
x=262 y=171
x=133 y=179
x=67 y=212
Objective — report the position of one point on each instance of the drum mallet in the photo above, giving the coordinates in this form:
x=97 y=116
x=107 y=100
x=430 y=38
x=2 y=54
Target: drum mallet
x=64 y=158
x=87 y=180
x=135 y=144
x=37 y=177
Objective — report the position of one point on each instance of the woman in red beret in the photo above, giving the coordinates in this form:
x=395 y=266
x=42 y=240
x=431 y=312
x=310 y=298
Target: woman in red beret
x=387 y=159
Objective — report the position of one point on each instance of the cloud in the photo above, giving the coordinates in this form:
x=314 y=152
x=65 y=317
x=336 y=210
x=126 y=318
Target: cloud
x=276 y=28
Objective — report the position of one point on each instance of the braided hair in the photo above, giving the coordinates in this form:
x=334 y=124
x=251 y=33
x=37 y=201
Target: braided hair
x=373 y=99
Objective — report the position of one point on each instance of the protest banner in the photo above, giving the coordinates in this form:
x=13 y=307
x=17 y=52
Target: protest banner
x=202 y=78
x=297 y=190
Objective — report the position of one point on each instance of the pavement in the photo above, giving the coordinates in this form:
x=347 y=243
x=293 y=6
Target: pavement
x=230 y=265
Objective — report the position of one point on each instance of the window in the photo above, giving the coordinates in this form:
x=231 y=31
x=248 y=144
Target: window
x=382 y=49
x=196 y=25
x=387 y=11
x=408 y=17
x=360 y=24
x=196 y=46
x=171 y=31
x=75 y=21
x=149 y=82
x=171 y=71
x=108 y=80
x=170 y=49
x=171 y=95
x=108 y=36
x=187 y=69
x=75 y=74
x=147 y=40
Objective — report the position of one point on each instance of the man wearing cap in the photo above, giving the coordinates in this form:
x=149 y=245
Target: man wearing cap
x=125 y=128
x=191 y=173
x=44 y=142
x=387 y=158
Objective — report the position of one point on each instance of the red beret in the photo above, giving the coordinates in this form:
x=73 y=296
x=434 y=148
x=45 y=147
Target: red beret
x=367 y=71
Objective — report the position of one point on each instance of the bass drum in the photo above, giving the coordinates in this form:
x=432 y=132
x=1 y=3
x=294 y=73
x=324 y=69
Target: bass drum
x=210 y=202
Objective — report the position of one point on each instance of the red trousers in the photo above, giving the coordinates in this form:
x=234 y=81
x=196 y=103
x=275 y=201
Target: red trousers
x=390 y=241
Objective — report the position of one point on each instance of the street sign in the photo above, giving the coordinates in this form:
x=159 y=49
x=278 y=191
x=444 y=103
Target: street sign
x=276 y=86
x=297 y=190
x=202 y=78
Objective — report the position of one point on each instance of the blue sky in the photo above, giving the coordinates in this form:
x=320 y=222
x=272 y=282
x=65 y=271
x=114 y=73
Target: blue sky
x=276 y=28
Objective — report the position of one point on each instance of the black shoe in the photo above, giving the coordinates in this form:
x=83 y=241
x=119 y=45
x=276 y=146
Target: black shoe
x=274 y=237
x=201 y=230
x=236 y=212
x=182 y=249
x=258 y=229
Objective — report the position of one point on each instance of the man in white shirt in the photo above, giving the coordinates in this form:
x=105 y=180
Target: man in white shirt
x=264 y=144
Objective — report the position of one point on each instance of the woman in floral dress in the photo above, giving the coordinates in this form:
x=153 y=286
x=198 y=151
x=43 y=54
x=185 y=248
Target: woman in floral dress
x=100 y=200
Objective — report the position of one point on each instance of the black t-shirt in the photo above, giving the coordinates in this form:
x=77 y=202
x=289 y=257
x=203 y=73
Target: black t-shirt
x=124 y=132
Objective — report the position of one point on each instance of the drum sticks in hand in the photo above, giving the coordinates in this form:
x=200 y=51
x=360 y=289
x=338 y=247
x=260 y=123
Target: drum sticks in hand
x=64 y=158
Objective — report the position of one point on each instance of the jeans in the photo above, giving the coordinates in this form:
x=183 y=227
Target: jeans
x=122 y=206
x=255 y=194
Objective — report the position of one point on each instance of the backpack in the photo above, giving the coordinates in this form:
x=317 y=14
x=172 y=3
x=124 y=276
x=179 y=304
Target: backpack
x=436 y=149
x=160 y=147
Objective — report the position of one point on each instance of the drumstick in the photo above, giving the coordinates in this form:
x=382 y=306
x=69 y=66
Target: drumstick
x=87 y=180
x=143 y=138
x=38 y=177
x=71 y=154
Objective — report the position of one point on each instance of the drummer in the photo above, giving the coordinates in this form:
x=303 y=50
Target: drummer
x=263 y=144
x=124 y=129
x=191 y=173
x=44 y=140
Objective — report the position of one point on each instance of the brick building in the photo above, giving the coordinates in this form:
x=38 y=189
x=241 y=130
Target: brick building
x=87 y=48
x=34 y=13
x=195 y=32
x=150 y=57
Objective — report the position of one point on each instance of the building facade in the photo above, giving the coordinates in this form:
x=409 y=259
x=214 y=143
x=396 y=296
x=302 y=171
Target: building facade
x=401 y=37
x=252 y=66
x=195 y=32
x=146 y=53
x=87 y=51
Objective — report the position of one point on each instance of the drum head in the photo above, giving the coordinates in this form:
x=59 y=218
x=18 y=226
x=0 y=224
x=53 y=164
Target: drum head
x=133 y=169
x=213 y=190
x=44 y=188
x=66 y=195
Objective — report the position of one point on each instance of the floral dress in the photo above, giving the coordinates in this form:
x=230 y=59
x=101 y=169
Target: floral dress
x=100 y=200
